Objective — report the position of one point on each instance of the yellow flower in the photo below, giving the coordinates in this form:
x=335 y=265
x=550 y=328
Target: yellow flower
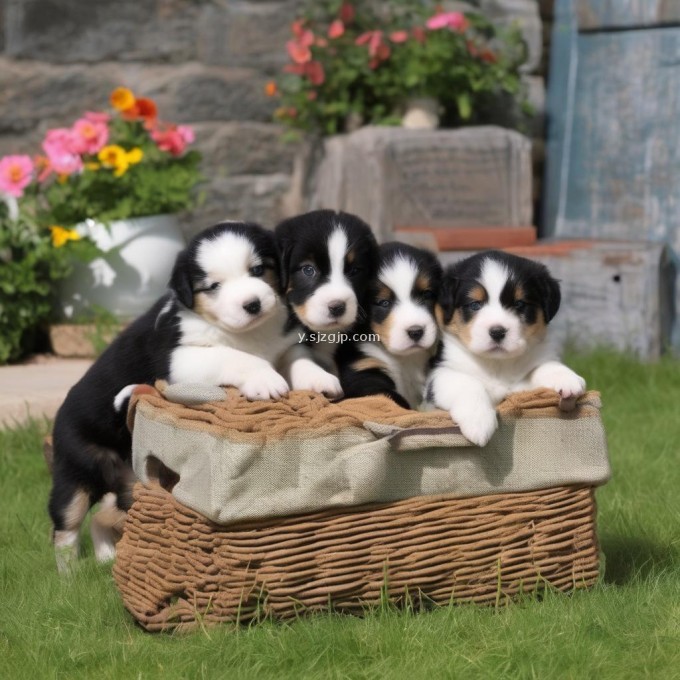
x=61 y=236
x=134 y=156
x=114 y=156
x=122 y=99
x=92 y=166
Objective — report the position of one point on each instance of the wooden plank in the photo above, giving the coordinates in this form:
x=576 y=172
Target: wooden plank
x=596 y=15
x=470 y=238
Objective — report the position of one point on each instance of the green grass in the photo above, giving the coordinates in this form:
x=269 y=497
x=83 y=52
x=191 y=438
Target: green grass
x=626 y=627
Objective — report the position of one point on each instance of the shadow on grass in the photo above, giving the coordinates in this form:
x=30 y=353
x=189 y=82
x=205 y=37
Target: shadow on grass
x=628 y=558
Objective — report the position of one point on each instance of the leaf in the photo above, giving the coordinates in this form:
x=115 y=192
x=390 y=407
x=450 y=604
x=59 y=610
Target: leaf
x=464 y=105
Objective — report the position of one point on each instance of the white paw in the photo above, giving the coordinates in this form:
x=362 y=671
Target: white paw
x=314 y=378
x=264 y=385
x=477 y=425
x=564 y=381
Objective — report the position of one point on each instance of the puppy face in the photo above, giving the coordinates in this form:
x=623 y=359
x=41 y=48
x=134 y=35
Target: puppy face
x=402 y=312
x=228 y=274
x=498 y=305
x=327 y=261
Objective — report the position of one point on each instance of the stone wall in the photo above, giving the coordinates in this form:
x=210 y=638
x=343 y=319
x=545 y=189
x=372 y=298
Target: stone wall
x=205 y=62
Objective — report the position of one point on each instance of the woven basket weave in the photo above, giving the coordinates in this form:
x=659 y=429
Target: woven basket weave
x=174 y=568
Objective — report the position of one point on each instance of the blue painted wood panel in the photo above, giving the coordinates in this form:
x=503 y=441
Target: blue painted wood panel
x=613 y=169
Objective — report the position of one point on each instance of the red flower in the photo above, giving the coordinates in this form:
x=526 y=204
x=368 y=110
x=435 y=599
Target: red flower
x=419 y=34
x=142 y=108
x=347 y=12
x=314 y=71
x=298 y=52
x=336 y=29
x=399 y=36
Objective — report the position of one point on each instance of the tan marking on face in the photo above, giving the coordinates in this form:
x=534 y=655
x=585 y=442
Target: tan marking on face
x=75 y=511
x=536 y=331
x=269 y=277
x=478 y=294
x=423 y=283
x=301 y=312
x=439 y=315
x=202 y=307
x=367 y=364
x=383 y=293
x=383 y=329
x=459 y=328
x=351 y=256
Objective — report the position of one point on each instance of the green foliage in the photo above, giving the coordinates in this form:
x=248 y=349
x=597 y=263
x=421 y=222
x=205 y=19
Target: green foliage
x=387 y=55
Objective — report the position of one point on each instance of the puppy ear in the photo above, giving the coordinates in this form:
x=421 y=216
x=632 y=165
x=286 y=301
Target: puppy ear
x=550 y=295
x=285 y=248
x=446 y=300
x=180 y=280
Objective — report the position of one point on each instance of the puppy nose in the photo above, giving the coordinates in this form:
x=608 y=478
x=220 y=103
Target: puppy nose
x=336 y=308
x=415 y=332
x=253 y=307
x=497 y=333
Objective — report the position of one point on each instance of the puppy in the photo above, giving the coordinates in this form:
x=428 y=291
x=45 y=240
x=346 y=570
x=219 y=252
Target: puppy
x=494 y=309
x=328 y=259
x=221 y=323
x=403 y=322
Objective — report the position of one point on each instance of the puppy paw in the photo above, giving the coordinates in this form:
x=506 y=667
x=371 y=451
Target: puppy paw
x=314 y=378
x=476 y=425
x=569 y=385
x=264 y=385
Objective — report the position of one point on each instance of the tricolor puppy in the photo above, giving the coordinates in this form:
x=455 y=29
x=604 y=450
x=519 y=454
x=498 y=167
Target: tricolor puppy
x=403 y=323
x=494 y=309
x=221 y=323
x=328 y=259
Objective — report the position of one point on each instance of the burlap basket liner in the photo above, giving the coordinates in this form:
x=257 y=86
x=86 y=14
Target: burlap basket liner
x=434 y=519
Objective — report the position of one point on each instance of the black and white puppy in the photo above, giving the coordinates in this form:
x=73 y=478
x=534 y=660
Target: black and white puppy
x=328 y=260
x=494 y=309
x=402 y=320
x=221 y=323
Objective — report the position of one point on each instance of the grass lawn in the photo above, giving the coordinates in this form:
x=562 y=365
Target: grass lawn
x=626 y=627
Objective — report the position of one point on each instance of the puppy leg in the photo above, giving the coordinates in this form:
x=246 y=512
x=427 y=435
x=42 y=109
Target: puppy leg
x=106 y=528
x=253 y=376
x=468 y=402
x=303 y=373
x=556 y=376
x=68 y=506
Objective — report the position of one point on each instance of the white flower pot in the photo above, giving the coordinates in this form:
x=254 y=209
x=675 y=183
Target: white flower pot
x=133 y=272
x=421 y=114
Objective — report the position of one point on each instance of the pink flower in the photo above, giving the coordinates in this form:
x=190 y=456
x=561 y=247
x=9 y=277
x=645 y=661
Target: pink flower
x=60 y=145
x=97 y=116
x=456 y=21
x=16 y=173
x=298 y=52
x=336 y=29
x=314 y=71
x=89 y=136
x=173 y=139
x=399 y=36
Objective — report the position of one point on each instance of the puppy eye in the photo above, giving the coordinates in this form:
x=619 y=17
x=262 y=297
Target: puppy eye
x=353 y=270
x=308 y=270
x=474 y=306
x=214 y=286
x=520 y=305
x=383 y=303
x=427 y=295
x=257 y=270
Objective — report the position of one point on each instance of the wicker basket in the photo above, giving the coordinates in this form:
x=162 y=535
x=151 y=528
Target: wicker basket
x=174 y=568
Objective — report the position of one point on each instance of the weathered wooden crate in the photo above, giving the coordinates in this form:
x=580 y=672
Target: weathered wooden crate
x=470 y=177
x=614 y=131
x=614 y=293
